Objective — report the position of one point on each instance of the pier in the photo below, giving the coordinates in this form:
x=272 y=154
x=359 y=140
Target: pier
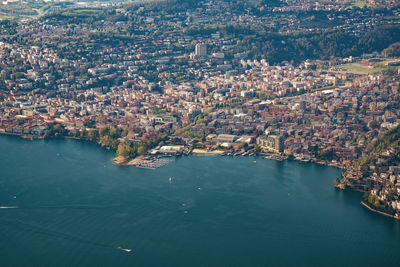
x=152 y=162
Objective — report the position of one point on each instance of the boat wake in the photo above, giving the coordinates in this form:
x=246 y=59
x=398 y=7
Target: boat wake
x=62 y=206
x=124 y=249
x=29 y=227
x=69 y=206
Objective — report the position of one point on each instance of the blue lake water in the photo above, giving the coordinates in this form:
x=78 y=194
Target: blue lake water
x=74 y=207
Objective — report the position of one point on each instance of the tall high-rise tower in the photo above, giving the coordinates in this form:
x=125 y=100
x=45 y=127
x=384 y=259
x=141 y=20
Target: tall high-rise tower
x=201 y=50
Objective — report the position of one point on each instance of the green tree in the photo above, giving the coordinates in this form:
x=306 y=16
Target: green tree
x=141 y=150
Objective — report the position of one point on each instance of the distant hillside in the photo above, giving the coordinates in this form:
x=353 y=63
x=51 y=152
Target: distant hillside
x=393 y=50
x=318 y=36
x=387 y=146
x=389 y=140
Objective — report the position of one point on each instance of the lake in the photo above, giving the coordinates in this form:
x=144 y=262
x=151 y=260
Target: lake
x=64 y=203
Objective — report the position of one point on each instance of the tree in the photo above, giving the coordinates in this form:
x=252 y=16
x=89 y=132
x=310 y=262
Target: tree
x=89 y=123
x=93 y=135
x=56 y=130
x=123 y=150
x=114 y=133
x=257 y=148
x=141 y=150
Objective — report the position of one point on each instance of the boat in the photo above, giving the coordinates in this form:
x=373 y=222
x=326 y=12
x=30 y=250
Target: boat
x=170 y=179
x=254 y=162
x=125 y=249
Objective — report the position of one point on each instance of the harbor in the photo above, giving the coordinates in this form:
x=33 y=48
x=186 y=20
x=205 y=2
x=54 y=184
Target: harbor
x=152 y=162
x=161 y=156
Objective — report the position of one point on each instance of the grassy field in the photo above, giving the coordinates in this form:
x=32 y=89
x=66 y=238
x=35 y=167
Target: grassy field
x=361 y=4
x=17 y=10
x=30 y=9
x=383 y=64
x=85 y=10
x=391 y=17
x=2 y=17
x=362 y=68
x=82 y=12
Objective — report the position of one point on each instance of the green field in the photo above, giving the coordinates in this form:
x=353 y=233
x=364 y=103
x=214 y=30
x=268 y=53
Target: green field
x=361 y=4
x=362 y=68
x=17 y=10
x=30 y=9
x=82 y=12
x=392 y=17
x=3 y=17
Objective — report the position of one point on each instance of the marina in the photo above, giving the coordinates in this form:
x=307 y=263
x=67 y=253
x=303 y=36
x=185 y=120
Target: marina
x=152 y=162
x=275 y=157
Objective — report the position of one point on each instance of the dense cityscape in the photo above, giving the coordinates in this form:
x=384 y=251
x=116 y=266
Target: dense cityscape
x=215 y=77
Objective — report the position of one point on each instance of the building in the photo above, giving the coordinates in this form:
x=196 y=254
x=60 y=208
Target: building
x=225 y=138
x=201 y=50
x=275 y=143
x=171 y=149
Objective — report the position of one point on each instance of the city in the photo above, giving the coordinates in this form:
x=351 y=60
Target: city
x=311 y=82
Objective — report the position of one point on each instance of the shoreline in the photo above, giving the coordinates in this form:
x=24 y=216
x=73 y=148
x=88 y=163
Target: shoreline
x=24 y=136
x=121 y=161
x=127 y=162
x=379 y=212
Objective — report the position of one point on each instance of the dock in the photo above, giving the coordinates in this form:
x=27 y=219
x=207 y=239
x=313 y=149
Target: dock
x=152 y=162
